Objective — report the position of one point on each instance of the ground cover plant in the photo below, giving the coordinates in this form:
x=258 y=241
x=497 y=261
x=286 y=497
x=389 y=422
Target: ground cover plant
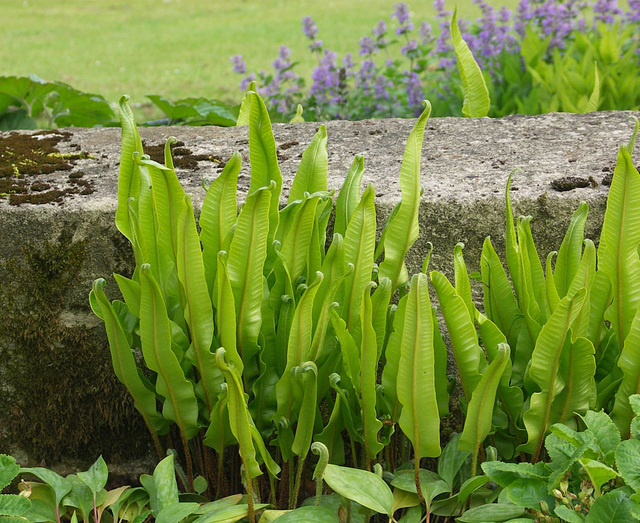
x=544 y=56
x=252 y=363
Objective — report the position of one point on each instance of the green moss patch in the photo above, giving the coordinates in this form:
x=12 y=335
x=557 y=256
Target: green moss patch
x=26 y=158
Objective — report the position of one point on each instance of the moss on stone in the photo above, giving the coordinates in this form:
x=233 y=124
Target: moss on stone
x=60 y=391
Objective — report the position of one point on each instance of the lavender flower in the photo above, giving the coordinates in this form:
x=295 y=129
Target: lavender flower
x=633 y=15
x=401 y=13
x=411 y=46
x=380 y=30
x=606 y=10
x=367 y=46
x=238 y=64
x=425 y=32
x=414 y=90
x=247 y=80
x=347 y=61
x=309 y=28
x=316 y=45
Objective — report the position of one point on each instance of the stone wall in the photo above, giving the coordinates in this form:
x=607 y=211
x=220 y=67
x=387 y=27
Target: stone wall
x=59 y=400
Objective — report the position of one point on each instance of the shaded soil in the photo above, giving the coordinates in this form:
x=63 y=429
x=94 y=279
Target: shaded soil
x=24 y=158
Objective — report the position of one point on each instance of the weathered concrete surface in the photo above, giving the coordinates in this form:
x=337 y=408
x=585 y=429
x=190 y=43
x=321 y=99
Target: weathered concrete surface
x=50 y=254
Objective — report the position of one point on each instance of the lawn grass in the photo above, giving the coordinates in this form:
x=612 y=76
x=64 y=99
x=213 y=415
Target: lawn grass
x=177 y=48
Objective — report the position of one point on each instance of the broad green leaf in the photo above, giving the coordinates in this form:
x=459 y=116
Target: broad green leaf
x=96 y=477
x=419 y=419
x=359 y=244
x=123 y=361
x=577 y=370
x=510 y=396
x=494 y=512
x=629 y=363
x=532 y=276
x=451 y=460
x=477 y=424
x=130 y=290
x=312 y=171
x=247 y=255
x=430 y=483
x=380 y=307
x=331 y=434
x=265 y=171
x=298 y=118
x=606 y=435
x=13 y=508
x=310 y=514
x=80 y=497
x=613 y=507
x=349 y=196
x=553 y=298
x=462 y=333
x=165 y=485
x=176 y=512
x=348 y=348
x=470 y=486
x=545 y=370
x=570 y=251
x=566 y=514
x=501 y=307
x=404 y=499
x=226 y=313
x=392 y=356
x=168 y=204
x=403 y=229
x=476 y=94
x=245 y=106
x=594 y=99
x=239 y=415
x=368 y=379
x=9 y=469
x=599 y=473
x=218 y=434
x=599 y=300
x=128 y=179
x=218 y=216
x=365 y=488
x=180 y=405
x=440 y=355
x=198 y=312
x=299 y=236
x=461 y=279
x=628 y=462
x=228 y=514
x=298 y=349
x=618 y=249
x=306 y=375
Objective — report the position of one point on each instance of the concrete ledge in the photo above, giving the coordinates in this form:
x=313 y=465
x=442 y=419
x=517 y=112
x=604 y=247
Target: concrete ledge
x=59 y=400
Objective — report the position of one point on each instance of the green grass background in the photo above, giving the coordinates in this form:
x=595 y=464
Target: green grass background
x=178 y=48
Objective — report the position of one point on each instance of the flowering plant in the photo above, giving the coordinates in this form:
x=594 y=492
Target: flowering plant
x=398 y=65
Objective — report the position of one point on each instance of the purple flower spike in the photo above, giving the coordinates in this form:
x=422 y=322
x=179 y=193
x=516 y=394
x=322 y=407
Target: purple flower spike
x=246 y=81
x=238 y=64
x=412 y=45
x=401 y=13
x=309 y=27
x=380 y=30
x=426 y=32
x=367 y=46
